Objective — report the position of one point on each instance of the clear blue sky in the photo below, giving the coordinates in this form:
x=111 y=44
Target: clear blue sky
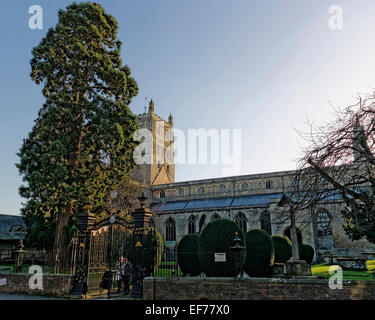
x=259 y=66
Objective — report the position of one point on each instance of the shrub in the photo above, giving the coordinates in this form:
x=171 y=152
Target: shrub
x=187 y=253
x=217 y=237
x=283 y=248
x=259 y=253
x=152 y=245
x=306 y=252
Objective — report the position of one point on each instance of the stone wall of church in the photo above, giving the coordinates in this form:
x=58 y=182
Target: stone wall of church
x=267 y=183
x=334 y=242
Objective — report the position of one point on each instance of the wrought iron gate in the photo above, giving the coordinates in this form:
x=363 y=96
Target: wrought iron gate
x=97 y=250
x=100 y=247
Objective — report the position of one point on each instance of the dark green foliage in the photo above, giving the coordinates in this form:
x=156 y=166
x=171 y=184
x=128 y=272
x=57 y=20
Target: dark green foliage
x=259 y=253
x=187 y=253
x=283 y=248
x=359 y=221
x=81 y=145
x=217 y=237
x=152 y=249
x=306 y=252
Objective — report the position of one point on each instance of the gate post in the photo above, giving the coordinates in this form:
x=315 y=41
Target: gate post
x=85 y=223
x=141 y=217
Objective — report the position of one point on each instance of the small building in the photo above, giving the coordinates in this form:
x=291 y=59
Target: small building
x=12 y=230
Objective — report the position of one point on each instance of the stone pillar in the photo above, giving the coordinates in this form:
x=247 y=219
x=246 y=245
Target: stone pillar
x=141 y=217
x=294 y=266
x=293 y=234
x=19 y=258
x=297 y=268
x=85 y=221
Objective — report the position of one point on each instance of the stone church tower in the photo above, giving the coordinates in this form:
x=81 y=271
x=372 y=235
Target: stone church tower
x=161 y=170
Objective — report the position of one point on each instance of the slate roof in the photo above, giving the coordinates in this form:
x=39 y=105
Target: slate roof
x=212 y=203
x=8 y=223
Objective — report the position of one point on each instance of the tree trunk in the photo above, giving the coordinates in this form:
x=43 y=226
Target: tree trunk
x=61 y=236
x=293 y=235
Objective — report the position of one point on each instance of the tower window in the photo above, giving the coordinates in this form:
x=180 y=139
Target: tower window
x=181 y=192
x=162 y=195
x=244 y=187
x=200 y=190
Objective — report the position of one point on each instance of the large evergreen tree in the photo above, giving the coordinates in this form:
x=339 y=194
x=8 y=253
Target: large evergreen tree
x=81 y=145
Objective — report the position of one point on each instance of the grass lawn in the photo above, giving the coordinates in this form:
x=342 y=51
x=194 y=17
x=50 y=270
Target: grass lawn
x=322 y=270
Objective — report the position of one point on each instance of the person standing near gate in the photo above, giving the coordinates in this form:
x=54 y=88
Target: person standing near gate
x=127 y=274
x=120 y=267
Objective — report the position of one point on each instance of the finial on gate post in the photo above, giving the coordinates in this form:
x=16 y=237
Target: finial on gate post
x=141 y=216
x=142 y=200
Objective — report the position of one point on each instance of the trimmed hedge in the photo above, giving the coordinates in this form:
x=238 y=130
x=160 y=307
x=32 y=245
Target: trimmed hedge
x=260 y=253
x=306 y=252
x=217 y=237
x=283 y=248
x=187 y=253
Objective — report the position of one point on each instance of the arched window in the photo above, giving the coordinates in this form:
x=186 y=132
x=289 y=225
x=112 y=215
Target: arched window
x=200 y=190
x=215 y=216
x=162 y=195
x=241 y=221
x=170 y=230
x=191 y=224
x=244 y=187
x=265 y=222
x=323 y=223
x=222 y=188
x=201 y=222
x=181 y=192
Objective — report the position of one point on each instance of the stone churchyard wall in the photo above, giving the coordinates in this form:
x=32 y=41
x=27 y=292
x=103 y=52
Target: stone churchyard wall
x=197 y=288
x=53 y=285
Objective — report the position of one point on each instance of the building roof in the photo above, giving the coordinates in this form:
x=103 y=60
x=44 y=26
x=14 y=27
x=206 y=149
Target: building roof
x=8 y=223
x=12 y=236
x=226 y=202
x=212 y=203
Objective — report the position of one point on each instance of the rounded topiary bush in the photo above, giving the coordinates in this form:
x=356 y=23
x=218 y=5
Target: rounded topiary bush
x=259 y=253
x=306 y=252
x=283 y=248
x=217 y=237
x=187 y=254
